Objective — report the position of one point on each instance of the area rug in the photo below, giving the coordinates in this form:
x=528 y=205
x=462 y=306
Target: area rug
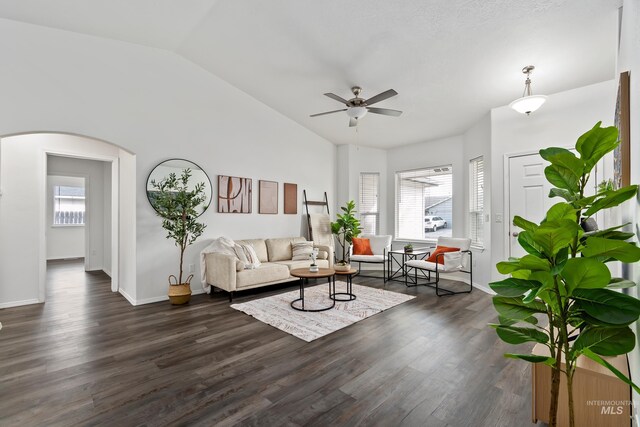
x=308 y=326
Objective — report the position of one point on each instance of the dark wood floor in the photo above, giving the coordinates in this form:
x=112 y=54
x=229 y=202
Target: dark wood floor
x=87 y=357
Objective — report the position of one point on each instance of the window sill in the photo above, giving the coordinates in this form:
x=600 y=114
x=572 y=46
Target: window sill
x=66 y=225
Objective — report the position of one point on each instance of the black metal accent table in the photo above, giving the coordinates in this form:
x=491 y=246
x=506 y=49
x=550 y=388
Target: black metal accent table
x=304 y=273
x=400 y=271
x=349 y=292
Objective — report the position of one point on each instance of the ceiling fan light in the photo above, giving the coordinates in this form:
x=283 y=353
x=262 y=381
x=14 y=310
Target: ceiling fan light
x=356 y=112
x=528 y=104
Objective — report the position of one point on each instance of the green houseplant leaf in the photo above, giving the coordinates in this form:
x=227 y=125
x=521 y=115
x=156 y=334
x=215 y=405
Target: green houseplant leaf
x=515 y=308
x=609 y=248
x=607 y=305
x=591 y=355
x=512 y=287
x=595 y=143
x=586 y=273
x=606 y=341
x=517 y=335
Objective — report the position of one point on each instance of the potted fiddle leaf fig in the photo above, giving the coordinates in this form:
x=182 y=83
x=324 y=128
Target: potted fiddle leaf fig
x=564 y=277
x=346 y=227
x=177 y=205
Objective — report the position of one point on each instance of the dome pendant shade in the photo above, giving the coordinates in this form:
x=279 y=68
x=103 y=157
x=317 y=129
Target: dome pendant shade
x=356 y=112
x=528 y=104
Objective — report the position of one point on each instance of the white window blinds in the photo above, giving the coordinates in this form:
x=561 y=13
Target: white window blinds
x=424 y=202
x=369 y=206
x=476 y=200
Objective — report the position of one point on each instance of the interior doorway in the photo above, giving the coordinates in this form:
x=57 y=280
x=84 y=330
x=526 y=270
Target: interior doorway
x=24 y=213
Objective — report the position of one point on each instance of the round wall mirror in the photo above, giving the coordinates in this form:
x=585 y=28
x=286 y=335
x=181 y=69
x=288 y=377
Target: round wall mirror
x=177 y=166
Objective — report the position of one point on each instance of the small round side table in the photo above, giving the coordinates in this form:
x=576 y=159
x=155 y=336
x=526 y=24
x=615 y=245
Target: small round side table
x=349 y=279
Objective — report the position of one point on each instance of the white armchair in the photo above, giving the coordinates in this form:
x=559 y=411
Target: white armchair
x=380 y=246
x=447 y=262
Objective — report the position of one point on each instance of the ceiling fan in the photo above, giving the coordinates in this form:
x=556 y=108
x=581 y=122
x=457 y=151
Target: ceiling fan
x=358 y=107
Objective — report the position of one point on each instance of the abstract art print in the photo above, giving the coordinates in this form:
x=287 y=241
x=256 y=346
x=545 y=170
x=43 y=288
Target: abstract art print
x=234 y=194
x=268 y=197
x=290 y=198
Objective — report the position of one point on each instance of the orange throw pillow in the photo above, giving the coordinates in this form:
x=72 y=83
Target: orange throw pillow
x=441 y=250
x=361 y=246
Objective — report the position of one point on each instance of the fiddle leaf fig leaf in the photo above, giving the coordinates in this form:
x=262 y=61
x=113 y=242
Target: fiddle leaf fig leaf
x=552 y=236
x=562 y=177
x=604 y=249
x=612 y=198
x=561 y=211
x=533 y=263
x=512 y=287
x=569 y=196
x=620 y=283
x=585 y=273
x=525 y=238
x=564 y=158
x=605 y=341
x=532 y=358
x=607 y=305
x=515 y=308
x=518 y=335
x=595 y=143
x=526 y=225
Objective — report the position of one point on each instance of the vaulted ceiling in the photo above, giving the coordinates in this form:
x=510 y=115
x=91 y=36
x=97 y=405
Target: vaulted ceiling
x=450 y=61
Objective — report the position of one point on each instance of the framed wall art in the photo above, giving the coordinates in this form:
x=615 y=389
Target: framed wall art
x=234 y=194
x=290 y=198
x=268 y=197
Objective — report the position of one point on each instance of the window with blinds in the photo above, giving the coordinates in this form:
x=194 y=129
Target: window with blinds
x=424 y=203
x=476 y=200
x=369 y=206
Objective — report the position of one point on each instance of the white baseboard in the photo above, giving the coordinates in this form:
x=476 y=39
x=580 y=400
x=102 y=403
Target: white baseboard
x=127 y=297
x=19 y=303
x=484 y=288
x=159 y=298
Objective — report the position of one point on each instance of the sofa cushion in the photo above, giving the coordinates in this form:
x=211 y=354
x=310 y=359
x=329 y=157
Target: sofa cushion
x=259 y=246
x=280 y=249
x=322 y=263
x=267 y=272
x=301 y=251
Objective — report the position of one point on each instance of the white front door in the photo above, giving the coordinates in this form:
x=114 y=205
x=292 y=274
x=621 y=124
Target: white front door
x=528 y=195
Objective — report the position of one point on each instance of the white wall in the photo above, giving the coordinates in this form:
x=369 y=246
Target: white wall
x=477 y=142
x=563 y=118
x=157 y=105
x=95 y=245
x=106 y=232
x=63 y=241
x=629 y=60
x=354 y=160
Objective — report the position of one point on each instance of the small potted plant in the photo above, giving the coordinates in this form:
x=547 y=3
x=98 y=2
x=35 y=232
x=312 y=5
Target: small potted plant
x=176 y=204
x=408 y=247
x=346 y=227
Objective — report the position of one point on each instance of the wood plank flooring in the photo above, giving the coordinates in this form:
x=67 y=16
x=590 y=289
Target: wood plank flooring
x=87 y=357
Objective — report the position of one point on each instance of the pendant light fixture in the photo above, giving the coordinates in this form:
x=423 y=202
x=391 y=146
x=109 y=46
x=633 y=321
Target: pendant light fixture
x=528 y=103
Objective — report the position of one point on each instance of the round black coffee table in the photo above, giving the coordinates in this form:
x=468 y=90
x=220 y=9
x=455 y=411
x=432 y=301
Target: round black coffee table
x=304 y=273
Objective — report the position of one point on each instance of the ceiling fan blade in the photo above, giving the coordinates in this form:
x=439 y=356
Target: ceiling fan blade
x=328 y=112
x=381 y=96
x=337 y=98
x=384 y=111
x=353 y=122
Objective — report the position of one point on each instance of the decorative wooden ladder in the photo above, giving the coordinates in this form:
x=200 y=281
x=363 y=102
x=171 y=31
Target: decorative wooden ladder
x=308 y=203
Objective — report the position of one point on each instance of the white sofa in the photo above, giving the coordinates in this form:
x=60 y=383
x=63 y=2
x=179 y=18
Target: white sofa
x=224 y=272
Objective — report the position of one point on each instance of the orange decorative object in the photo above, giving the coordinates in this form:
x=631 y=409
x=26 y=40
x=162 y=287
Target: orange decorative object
x=361 y=246
x=441 y=250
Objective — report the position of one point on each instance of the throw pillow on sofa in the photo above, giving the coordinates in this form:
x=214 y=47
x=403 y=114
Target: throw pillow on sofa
x=247 y=255
x=301 y=251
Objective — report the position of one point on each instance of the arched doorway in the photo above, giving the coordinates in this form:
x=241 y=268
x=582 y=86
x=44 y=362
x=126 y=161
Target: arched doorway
x=23 y=214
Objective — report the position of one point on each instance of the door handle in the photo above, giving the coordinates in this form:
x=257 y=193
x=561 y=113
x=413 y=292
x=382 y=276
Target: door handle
x=515 y=234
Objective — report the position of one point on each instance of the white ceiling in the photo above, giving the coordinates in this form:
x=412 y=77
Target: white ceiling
x=451 y=61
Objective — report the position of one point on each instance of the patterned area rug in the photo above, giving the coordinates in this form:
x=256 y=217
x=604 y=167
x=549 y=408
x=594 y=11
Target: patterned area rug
x=308 y=326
